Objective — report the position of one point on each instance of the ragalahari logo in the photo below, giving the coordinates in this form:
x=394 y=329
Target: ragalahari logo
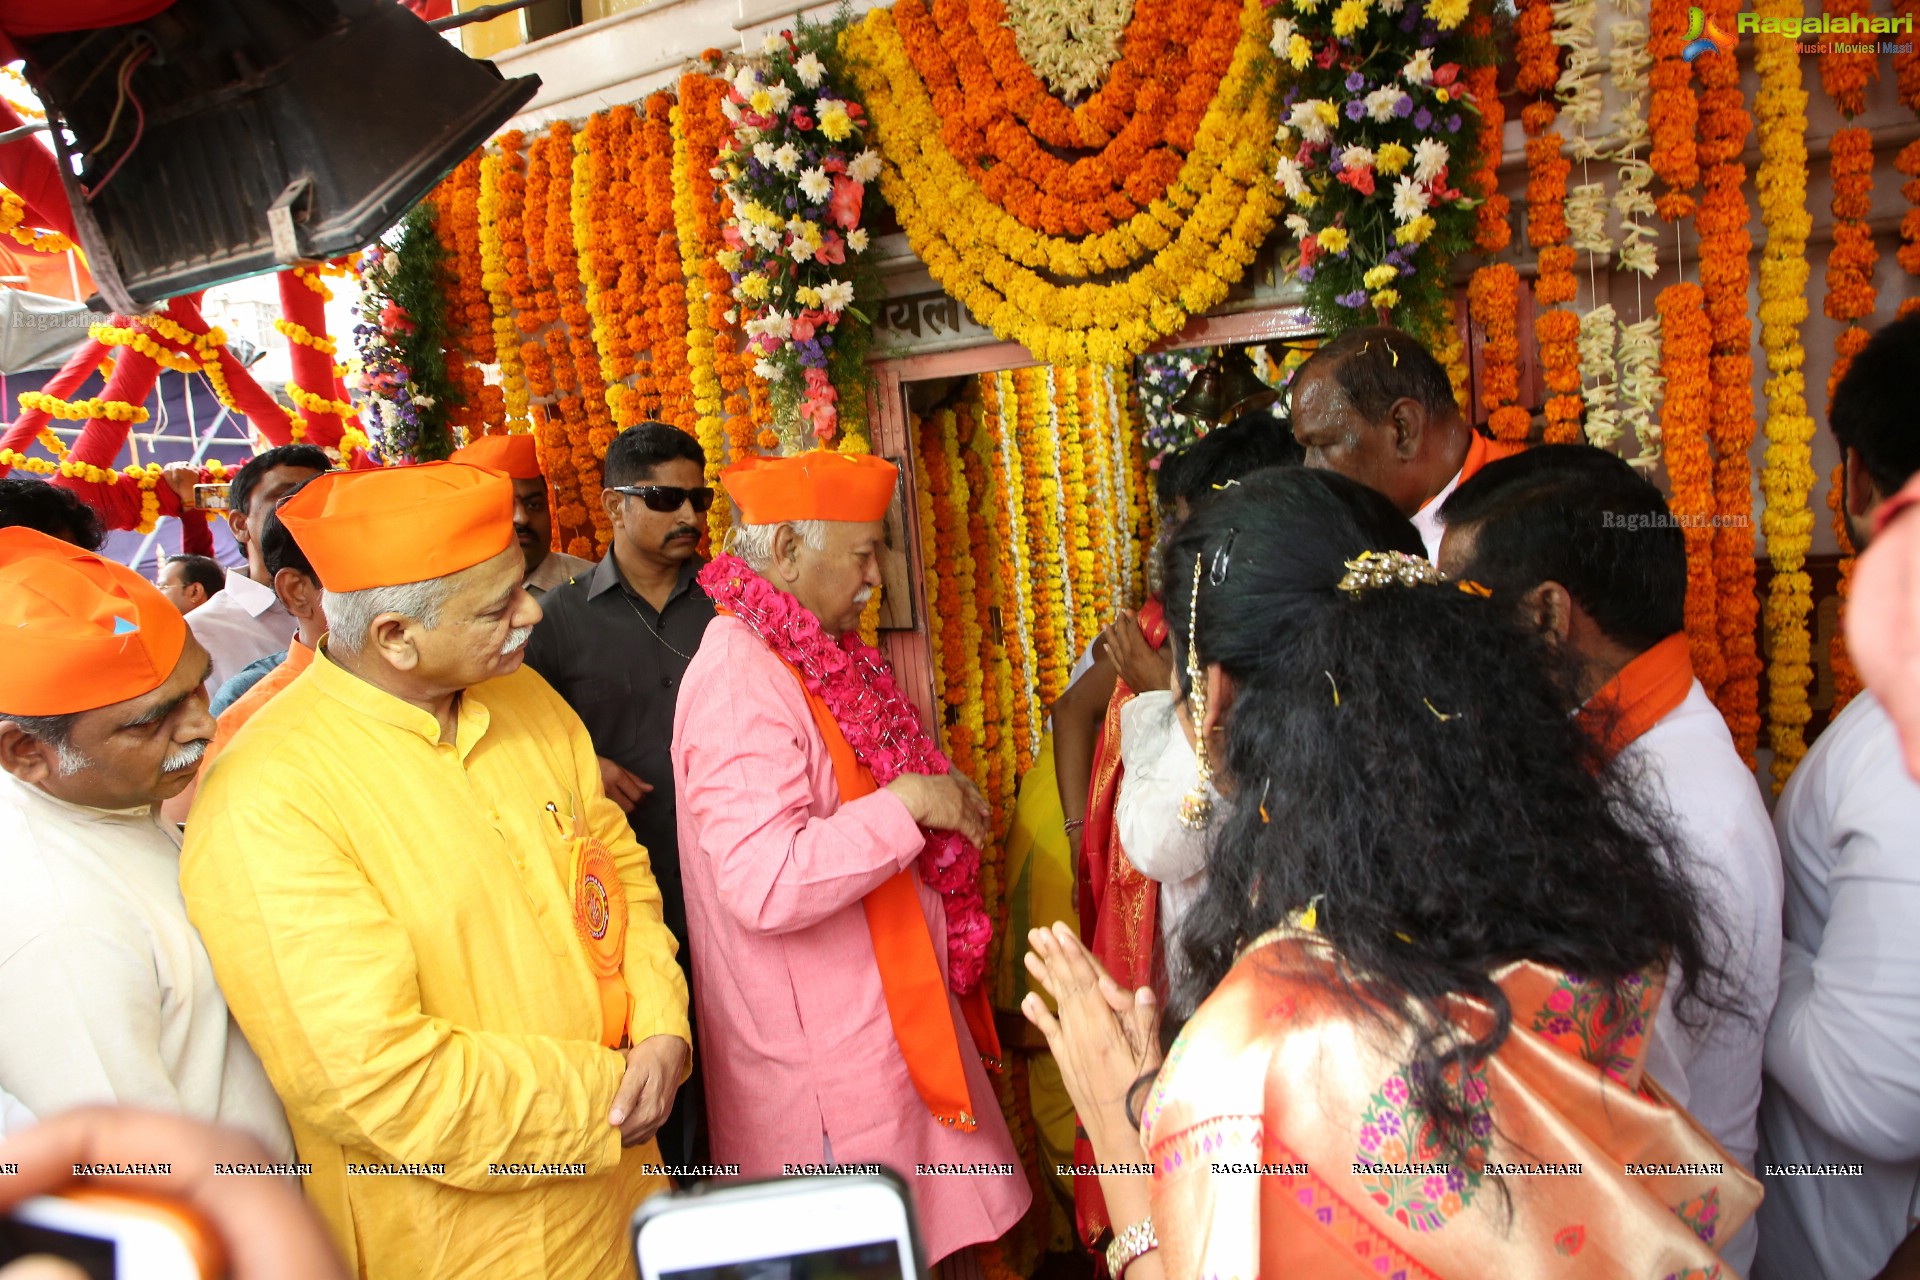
x=1704 y=36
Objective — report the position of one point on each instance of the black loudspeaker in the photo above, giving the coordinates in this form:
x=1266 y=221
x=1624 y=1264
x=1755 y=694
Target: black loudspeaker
x=224 y=138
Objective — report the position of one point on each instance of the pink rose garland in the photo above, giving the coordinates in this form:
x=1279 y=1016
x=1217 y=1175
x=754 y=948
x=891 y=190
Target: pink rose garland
x=881 y=726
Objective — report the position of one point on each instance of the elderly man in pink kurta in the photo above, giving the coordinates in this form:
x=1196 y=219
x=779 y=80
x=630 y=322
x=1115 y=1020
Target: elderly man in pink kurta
x=836 y=985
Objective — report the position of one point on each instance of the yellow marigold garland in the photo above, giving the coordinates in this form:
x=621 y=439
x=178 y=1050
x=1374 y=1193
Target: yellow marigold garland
x=1002 y=398
x=1787 y=479
x=167 y=358
x=497 y=215
x=1201 y=238
x=709 y=403
x=13 y=212
x=83 y=410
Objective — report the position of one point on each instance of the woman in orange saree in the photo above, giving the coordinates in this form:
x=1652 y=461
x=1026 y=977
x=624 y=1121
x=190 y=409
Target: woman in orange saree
x=1413 y=999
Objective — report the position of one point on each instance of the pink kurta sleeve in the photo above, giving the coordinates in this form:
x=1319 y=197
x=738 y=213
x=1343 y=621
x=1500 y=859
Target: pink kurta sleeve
x=747 y=742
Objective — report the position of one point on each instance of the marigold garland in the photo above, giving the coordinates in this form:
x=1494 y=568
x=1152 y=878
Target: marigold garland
x=1787 y=479
x=1907 y=163
x=1002 y=398
x=1209 y=229
x=1845 y=75
x=1725 y=244
x=83 y=410
x=1850 y=296
x=498 y=215
x=1493 y=299
x=1556 y=330
x=1686 y=350
x=13 y=212
x=1673 y=113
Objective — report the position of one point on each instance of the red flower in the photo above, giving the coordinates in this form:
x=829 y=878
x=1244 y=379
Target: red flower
x=1444 y=74
x=799 y=118
x=1360 y=180
x=848 y=196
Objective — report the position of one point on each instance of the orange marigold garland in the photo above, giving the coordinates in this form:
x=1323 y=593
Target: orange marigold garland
x=1493 y=300
x=1725 y=243
x=583 y=399
x=1672 y=114
x=1556 y=329
x=1845 y=76
x=1908 y=164
x=1686 y=358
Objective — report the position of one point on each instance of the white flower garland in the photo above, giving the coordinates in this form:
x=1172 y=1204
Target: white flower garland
x=1641 y=387
x=1070 y=44
x=1598 y=328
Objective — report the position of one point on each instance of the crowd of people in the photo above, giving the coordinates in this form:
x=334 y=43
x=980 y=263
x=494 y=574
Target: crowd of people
x=1429 y=920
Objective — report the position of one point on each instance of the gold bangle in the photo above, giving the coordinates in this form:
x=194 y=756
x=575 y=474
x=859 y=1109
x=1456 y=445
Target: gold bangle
x=1129 y=1246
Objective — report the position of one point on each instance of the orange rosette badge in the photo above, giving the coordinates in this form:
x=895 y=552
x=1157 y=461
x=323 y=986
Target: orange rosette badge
x=600 y=922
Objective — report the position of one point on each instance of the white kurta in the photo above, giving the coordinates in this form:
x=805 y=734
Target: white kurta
x=1843 y=1051
x=106 y=994
x=241 y=622
x=1714 y=1070
x=1160 y=770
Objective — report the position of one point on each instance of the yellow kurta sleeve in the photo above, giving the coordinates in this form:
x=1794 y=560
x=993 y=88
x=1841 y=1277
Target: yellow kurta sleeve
x=654 y=978
x=323 y=979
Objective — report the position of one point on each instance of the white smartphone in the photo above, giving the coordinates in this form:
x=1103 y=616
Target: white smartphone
x=836 y=1227
x=113 y=1237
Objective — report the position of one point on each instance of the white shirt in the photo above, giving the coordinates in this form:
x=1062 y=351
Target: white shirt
x=1160 y=769
x=1843 y=1051
x=1426 y=519
x=106 y=993
x=238 y=624
x=1729 y=851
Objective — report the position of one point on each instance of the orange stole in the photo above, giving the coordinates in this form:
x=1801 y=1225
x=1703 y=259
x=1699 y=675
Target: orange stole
x=911 y=978
x=1641 y=694
x=1119 y=907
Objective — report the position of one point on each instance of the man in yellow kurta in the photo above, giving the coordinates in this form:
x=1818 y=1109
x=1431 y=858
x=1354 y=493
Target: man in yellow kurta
x=430 y=921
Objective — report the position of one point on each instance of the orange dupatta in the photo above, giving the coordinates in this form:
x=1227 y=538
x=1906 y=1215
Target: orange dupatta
x=910 y=975
x=1644 y=691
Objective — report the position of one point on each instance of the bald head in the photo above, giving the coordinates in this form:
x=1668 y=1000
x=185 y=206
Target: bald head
x=1377 y=407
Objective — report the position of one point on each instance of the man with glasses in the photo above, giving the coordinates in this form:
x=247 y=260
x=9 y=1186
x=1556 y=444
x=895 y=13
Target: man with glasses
x=615 y=643
x=518 y=458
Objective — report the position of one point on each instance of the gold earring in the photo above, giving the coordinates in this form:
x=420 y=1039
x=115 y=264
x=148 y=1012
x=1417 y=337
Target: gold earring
x=1196 y=807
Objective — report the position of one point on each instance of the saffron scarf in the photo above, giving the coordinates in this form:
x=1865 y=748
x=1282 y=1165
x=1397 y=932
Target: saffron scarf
x=1641 y=695
x=873 y=735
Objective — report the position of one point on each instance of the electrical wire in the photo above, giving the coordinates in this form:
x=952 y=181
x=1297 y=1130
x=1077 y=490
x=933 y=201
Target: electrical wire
x=139 y=117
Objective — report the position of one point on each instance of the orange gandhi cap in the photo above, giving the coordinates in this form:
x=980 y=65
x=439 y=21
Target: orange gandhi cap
x=385 y=526
x=516 y=456
x=76 y=631
x=820 y=485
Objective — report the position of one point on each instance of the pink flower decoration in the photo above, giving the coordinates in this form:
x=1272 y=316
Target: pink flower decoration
x=833 y=250
x=881 y=726
x=799 y=118
x=845 y=204
x=804 y=325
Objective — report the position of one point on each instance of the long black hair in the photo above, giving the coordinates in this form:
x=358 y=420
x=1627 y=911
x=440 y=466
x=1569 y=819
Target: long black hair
x=1405 y=755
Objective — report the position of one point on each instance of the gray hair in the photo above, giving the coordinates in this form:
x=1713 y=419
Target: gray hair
x=57 y=733
x=350 y=614
x=754 y=542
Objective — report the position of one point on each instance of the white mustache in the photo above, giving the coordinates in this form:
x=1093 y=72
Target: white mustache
x=184 y=757
x=863 y=595
x=515 y=639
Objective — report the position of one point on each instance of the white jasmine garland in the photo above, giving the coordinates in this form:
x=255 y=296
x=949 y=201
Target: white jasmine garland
x=1597 y=369
x=1641 y=387
x=1070 y=44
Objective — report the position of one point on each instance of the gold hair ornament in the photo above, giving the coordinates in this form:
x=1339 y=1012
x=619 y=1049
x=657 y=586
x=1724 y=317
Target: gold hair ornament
x=1387 y=568
x=1196 y=807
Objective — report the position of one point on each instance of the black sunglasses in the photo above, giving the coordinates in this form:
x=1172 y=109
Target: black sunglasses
x=667 y=497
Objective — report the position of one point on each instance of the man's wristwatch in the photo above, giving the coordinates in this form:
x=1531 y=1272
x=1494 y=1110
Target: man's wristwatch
x=1129 y=1246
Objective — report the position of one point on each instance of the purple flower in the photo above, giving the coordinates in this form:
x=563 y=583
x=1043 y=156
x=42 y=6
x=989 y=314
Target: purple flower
x=1423 y=119
x=1407 y=23
x=1355 y=300
x=1404 y=107
x=1456 y=1178
x=1408 y=269
x=1356 y=82
x=1453 y=123
x=1480 y=1125
x=1306 y=275
x=1293 y=96
x=1388 y=1121
x=1356 y=109
x=1333 y=163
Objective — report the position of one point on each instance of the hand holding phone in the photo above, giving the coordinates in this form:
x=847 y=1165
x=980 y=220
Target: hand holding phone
x=836 y=1227
x=265 y=1227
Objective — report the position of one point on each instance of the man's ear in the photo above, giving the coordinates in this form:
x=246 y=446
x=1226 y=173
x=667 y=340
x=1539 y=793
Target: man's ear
x=195 y=593
x=297 y=592
x=1862 y=494
x=786 y=553
x=1408 y=418
x=611 y=504
x=391 y=635
x=23 y=755
x=1550 y=608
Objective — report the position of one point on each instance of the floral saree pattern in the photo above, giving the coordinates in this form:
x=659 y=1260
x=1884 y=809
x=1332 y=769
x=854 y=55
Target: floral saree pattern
x=1286 y=1137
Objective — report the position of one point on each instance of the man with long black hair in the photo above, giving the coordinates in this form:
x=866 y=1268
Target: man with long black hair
x=1586 y=552
x=1843 y=1050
